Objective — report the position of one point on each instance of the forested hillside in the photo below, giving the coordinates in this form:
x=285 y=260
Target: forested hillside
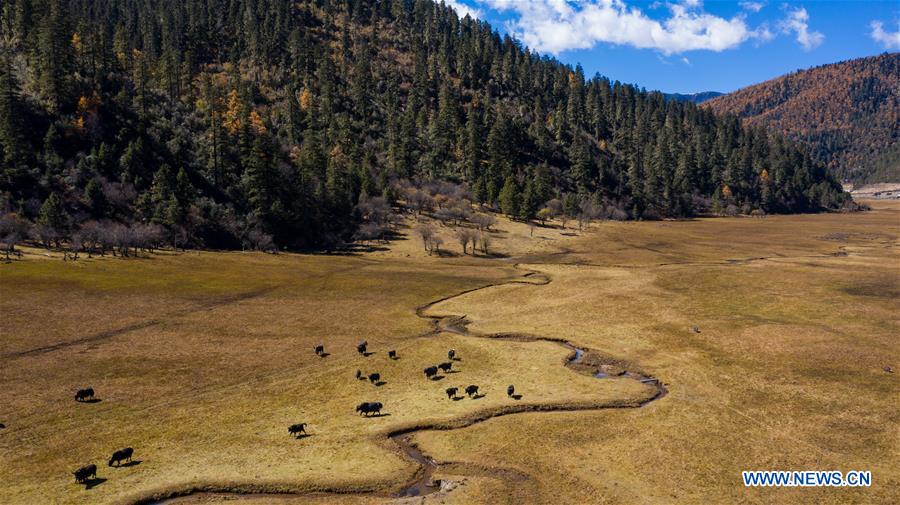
x=223 y=120
x=846 y=113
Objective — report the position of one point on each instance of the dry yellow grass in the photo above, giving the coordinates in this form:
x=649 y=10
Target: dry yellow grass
x=202 y=360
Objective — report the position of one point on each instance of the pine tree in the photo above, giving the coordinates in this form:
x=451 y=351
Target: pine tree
x=55 y=56
x=96 y=199
x=509 y=197
x=14 y=151
x=52 y=220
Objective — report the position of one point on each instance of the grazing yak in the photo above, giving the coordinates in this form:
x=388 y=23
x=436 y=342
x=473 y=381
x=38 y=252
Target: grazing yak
x=451 y=392
x=392 y=354
x=510 y=390
x=320 y=349
x=374 y=377
x=83 y=394
x=367 y=408
x=446 y=366
x=359 y=374
x=297 y=429
x=121 y=455
x=84 y=472
x=451 y=354
x=472 y=390
x=430 y=372
x=361 y=348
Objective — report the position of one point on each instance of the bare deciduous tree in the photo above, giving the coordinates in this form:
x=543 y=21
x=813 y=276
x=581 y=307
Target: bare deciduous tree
x=418 y=200
x=368 y=232
x=464 y=236
x=436 y=243
x=427 y=233
x=13 y=230
x=483 y=221
x=485 y=239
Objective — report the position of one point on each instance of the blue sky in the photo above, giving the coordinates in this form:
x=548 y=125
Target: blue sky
x=687 y=46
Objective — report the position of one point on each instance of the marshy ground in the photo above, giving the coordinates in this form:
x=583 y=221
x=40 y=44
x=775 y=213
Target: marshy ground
x=202 y=360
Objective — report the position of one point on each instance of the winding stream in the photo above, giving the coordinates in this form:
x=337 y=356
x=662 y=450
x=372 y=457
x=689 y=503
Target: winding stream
x=580 y=360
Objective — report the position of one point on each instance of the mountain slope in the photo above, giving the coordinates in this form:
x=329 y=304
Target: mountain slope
x=700 y=97
x=847 y=113
x=223 y=120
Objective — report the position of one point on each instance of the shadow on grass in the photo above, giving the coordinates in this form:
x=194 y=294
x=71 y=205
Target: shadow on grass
x=516 y=397
x=92 y=483
x=92 y=400
x=134 y=462
x=492 y=255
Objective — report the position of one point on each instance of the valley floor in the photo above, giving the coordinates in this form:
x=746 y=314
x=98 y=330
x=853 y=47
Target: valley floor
x=771 y=336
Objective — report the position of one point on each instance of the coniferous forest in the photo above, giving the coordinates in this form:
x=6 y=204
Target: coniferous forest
x=230 y=123
x=845 y=112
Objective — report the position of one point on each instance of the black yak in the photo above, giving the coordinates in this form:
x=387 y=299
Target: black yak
x=320 y=349
x=367 y=408
x=297 y=429
x=451 y=354
x=84 y=394
x=121 y=455
x=451 y=392
x=84 y=472
x=374 y=377
x=392 y=354
x=359 y=374
x=361 y=348
x=472 y=390
x=510 y=390
x=446 y=366
x=430 y=372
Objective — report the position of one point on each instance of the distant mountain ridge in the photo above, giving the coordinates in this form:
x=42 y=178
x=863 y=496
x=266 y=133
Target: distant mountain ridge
x=693 y=97
x=846 y=112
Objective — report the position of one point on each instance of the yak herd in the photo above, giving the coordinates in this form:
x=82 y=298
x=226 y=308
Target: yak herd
x=83 y=474
x=368 y=409
x=298 y=430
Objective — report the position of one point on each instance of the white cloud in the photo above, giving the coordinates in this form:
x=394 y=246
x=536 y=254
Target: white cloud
x=558 y=25
x=752 y=6
x=797 y=22
x=462 y=9
x=890 y=40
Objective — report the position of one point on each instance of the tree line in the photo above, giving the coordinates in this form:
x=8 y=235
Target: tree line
x=268 y=123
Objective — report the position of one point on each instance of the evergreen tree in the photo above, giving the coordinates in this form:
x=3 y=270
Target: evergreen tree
x=52 y=220
x=96 y=199
x=509 y=197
